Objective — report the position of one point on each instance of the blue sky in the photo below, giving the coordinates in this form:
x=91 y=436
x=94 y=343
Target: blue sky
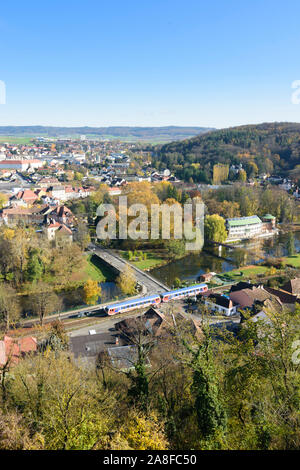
x=149 y=63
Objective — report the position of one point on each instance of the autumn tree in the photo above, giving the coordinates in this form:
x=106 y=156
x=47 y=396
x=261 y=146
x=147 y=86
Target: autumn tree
x=19 y=246
x=56 y=338
x=3 y=200
x=15 y=433
x=91 y=292
x=229 y=209
x=9 y=306
x=42 y=300
x=242 y=176
x=65 y=261
x=161 y=189
x=220 y=173
x=82 y=236
x=140 y=193
x=126 y=280
x=62 y=402
x=214 y=228
x=144 y=432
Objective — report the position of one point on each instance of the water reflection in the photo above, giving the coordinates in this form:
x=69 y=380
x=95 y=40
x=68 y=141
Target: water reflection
x=190 y=267
x=109 y=291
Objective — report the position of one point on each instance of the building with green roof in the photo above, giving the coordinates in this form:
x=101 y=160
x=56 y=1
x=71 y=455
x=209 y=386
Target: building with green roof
x=240 y=228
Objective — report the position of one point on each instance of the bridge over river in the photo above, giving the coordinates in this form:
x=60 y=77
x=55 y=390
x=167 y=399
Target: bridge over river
x=149 y=284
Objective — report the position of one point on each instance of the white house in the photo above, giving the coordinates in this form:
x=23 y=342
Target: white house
x=221 y=304
x=21 y=165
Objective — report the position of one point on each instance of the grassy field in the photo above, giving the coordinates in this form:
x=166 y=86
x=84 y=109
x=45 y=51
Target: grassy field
x=293 y=260
x=93 y=269
x=15 y=140
x=246 y=272
x=153 y=259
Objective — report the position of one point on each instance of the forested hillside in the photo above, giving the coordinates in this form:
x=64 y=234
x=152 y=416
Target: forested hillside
x=272 y=147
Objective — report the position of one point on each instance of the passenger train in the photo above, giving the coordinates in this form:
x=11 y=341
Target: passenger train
x=153 y=300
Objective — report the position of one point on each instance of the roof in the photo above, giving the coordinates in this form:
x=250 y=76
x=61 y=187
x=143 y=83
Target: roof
x=221 y=300
x=26 y=194
x=240 y=221
x=292 y=286
x=285 y=297
x=242 y=285
x=14 y=348
x=19 y=162
x=123 y=357
x=247 y=297
x=262 y=316
x=269 y=216
x=150 y=322
x=54 y=225
x=61 y=211
x=91 y=345
x=65 y=230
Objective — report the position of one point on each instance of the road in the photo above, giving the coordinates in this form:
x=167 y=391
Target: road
x=19 y=182
x=151 y=285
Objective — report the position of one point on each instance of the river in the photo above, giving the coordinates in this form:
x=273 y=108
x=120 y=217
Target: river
x=190 y=267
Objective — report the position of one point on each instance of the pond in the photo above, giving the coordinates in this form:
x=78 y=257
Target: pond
x=190 y=267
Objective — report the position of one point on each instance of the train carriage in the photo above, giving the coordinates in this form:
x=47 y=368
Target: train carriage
x=152 y=300
x=183 y=293
x=132 y=304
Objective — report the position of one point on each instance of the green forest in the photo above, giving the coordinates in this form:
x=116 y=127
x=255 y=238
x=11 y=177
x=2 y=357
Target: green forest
x=272 y=147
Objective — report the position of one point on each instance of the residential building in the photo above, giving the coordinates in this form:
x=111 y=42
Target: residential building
x=220 y=303
x=61 y=214
x=255 y=298
x=58 y=233
x=26 y=197
x=21 y=165
x=28 y=215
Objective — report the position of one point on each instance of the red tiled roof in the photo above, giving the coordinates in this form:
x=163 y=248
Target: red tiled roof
x=60 y=227
x=27 y=194
x=14 y=348
x=5 y=162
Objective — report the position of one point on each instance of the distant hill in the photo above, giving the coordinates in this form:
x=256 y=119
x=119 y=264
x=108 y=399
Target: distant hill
x=273 y=147
x=149 y=134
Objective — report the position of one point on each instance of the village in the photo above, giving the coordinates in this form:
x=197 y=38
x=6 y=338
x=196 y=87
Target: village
x=102 y=302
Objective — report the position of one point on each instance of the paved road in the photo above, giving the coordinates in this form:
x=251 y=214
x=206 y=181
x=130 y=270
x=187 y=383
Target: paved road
x=7 y=186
